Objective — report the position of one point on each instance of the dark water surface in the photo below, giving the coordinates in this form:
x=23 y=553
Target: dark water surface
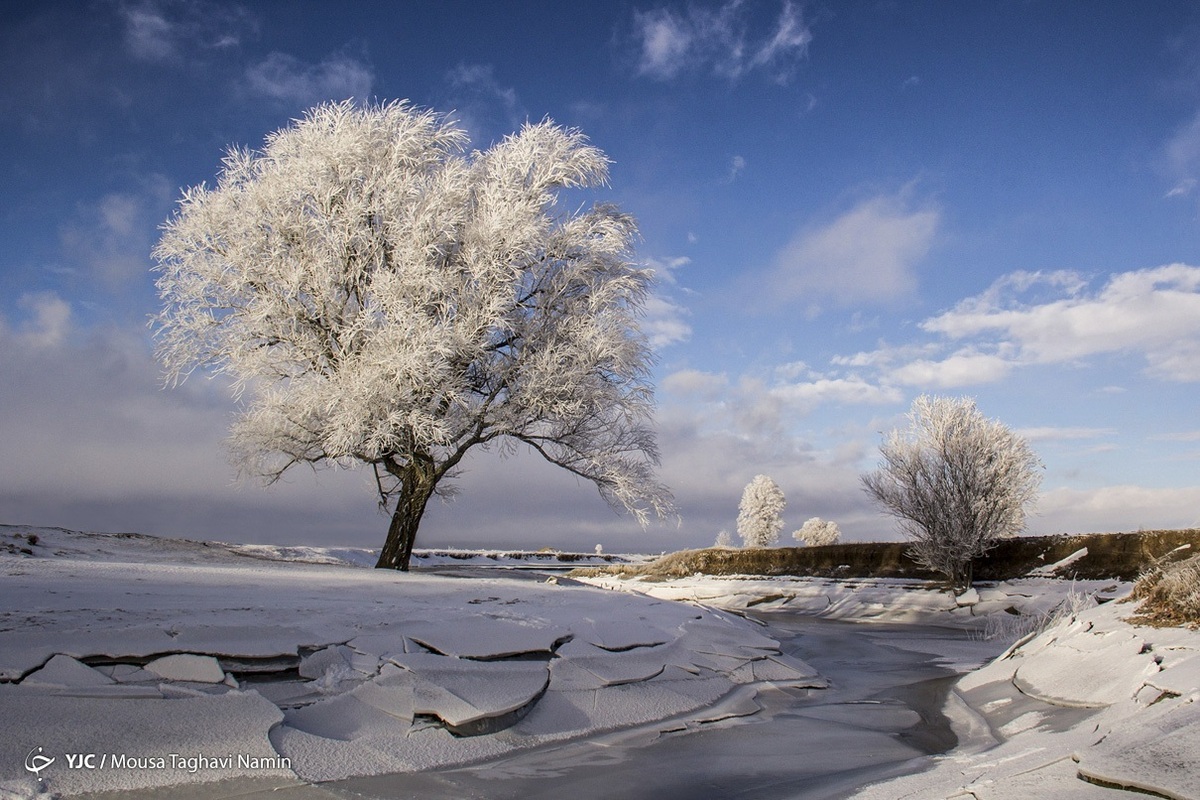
x=878 y=718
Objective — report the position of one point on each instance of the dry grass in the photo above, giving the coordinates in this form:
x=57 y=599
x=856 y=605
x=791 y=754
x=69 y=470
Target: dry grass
x=1169 y=594
x=1121 y=556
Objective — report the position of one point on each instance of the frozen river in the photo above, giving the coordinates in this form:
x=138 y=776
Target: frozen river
x=879 y=717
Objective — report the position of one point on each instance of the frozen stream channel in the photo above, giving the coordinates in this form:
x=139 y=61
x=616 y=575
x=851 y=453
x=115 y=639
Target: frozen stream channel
x=881 y=711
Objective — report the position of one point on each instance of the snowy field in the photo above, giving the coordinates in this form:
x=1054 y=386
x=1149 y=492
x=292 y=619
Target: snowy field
x=132 y=663
x=136 y=662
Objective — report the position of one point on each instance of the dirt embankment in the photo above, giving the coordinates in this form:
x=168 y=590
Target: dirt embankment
x=1122 y=556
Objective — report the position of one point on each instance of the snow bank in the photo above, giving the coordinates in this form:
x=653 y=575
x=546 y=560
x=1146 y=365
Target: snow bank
x=133 y=663
x=1091 y=701
x=995 y=608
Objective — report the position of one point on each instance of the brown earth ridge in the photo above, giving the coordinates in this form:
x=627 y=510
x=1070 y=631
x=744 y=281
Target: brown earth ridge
x=1121 y=556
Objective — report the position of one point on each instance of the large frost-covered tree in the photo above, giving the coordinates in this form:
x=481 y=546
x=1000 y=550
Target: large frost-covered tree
x=956 y=481
x=759 y=513
x=382 y=297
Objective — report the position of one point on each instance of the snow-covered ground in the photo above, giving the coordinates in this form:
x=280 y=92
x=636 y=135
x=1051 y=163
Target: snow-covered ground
x=1084 y=705
x=130 y=662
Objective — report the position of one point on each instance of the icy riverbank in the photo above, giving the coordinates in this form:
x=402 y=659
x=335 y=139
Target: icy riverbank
x=1092 y=707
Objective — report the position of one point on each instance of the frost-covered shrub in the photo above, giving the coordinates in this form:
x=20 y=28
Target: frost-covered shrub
x=956 y=481
x=759 y=514
x=1170 y=594
x=723 y=539
x=816 y=532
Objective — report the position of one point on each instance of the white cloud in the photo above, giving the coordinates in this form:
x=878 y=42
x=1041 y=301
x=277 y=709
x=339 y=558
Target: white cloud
x=666 y=40
x=664 y=322
x=164 y=32
x=1058 y=434
x=148 y=34
x=695 y=383
x=485 y=108
x=1182 y=152
x=1182 y=436
x=736 y=165
x=1152 y=312
x=1183 y=188
x=719 y=41
x=665 y=268
x=289 y=80
x=961 y=369
x=665 y=319
x=111 y=238
x=850 y=390
x=47 y=325
x=868 y=254
x=1116 y=508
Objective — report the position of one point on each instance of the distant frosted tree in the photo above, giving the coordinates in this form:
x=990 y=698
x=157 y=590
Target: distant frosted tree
x=723 y=539
x=956 y=481
x=382 y=298
x=816 y=532
x=759 y=514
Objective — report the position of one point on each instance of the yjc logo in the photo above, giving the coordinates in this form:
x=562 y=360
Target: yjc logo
x=35 y=762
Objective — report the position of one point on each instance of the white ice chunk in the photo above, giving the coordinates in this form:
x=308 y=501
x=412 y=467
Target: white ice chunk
x=1158 y=756
x=1181 y=677
x=66 y=671
x=325 y=660
x=1050 y=569
x=1086 y=670
x=486 y=637
x=474 y=697
x=620 y=635
x=628 y=667
x=187 y=667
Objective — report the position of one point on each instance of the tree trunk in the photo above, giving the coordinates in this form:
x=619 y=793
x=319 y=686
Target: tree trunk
x=416 y=488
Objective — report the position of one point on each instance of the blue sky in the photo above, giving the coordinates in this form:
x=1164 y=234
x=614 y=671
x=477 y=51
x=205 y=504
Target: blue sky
x=847 y=204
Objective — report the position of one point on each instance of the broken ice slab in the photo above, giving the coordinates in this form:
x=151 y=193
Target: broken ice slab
x=1180 y=676
x=344 y=717
x=1090 y=670
x=127 y=673
x=780 y=668
x=486 y=638
x=1157 y=756
x=719 y=638
x=474 y=697
x=63 y=670
x=187 y=667
x=620 y=635
x=629 y=667
x=334 y=657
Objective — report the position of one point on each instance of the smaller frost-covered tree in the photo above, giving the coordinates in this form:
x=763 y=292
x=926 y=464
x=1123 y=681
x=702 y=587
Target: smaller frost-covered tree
x=817 y=532
x=956 y=481
x=723 y=540
x=759 y=514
